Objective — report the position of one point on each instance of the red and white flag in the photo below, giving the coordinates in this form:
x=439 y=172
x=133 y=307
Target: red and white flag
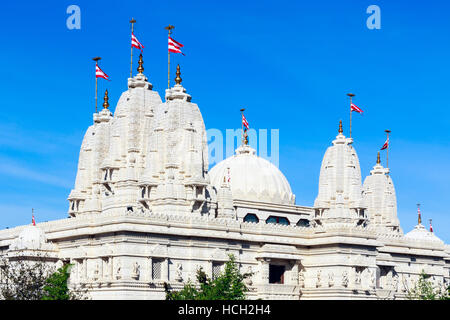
x=418 y=213
x=385 y=145
x=354 y=107
x=431 y=227
x=99 y=73
x=135 y=42
x=175 y=47
x=244 y=122
x=32 y=220
x=228 y=175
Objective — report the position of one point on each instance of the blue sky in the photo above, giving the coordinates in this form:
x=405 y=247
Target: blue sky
x=290 y=63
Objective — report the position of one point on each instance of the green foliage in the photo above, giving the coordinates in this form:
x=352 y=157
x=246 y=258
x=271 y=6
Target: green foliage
x=424 y=290
x=229 y=285
x=56 y=285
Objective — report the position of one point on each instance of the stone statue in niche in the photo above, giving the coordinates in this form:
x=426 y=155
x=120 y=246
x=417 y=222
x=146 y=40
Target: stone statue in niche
x=345 y=279
x=136 y=271
x=319 y=280
x=395 y=283
x=248 y=280
x=119 y=271
x=357 y=277
x=178 y=273
x=96 y=272
x=373 y=278
x=330 y=279
x=301 y=278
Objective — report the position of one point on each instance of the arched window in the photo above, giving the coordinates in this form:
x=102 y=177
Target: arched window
x=250 y=217
x=278 y=220
x=303 y=223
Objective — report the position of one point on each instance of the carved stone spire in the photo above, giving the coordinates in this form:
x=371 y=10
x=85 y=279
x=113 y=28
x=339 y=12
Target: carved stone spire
x=340 y=127
x=378 y=158
x=105 y=98
x=140 y=69
x=178 y=78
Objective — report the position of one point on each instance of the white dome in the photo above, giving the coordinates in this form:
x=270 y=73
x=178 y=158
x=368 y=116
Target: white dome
x=252 y=178
x=420 y=233
x=31 y=237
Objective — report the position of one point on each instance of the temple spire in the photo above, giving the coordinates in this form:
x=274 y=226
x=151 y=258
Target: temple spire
x=340 y=127
x=106 y=99
x=378 y=158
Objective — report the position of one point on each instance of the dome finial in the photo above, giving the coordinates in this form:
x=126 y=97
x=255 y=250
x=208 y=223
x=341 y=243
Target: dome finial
x=140 y=69
x=106 y=98
x=178 y=78
x=419 y=219
x=378 y=158
x=340 y=127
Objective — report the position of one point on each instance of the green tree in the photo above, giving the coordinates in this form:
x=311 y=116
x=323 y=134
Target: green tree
x=229 y=285
x=424 y=290
x=56 y=285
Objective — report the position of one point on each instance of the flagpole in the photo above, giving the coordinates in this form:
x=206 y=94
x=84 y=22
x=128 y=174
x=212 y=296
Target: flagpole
x=132 y=21
x=242 y=122
x=351 y=95
x=169 y=28
x=96 y=59
x=387 y=148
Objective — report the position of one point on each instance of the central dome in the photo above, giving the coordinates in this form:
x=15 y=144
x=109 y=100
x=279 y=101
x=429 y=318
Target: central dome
x=252 y=178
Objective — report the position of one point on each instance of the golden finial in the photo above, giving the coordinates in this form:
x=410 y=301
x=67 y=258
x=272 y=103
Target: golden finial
x=419 y=214
x=106 y=104
x=169 y=28
x=178 y=78
x=378 y=158
x=340 y=126
x=140 y=69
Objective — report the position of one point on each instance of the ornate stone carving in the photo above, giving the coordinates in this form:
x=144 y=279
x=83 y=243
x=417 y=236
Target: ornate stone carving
x=301 y=278
x=136 y=271
x=318 y=278
x=331 y=279
x=345 y=279
x=179 y=273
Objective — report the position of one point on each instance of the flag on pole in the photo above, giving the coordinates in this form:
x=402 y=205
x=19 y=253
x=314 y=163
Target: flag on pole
x=174 y=46
x=354 y=107
x=99 y=73
x=32 y=219
x=135 y=42
x=418 y=214
x=431 y=227
x=244 y=122
x=386 y=144
x=228 y=175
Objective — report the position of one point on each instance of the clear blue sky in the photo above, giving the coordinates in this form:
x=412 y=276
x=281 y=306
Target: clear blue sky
x=290 y=63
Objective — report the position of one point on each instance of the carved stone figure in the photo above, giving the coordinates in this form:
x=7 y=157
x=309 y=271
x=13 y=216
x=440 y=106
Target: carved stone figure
x=357 y=277
x=136 y=271
x=119 y=271
x=395 y=283
x=178 y=273
x=318 y=282
x=248 y=281
x=96 y=272
x=301 y=278
x=330 y=279
x=345 y=279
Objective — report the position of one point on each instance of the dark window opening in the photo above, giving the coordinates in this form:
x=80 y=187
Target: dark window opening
x=250 y=217
x=303 y=223
x=276 y=274
x=278 y=220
